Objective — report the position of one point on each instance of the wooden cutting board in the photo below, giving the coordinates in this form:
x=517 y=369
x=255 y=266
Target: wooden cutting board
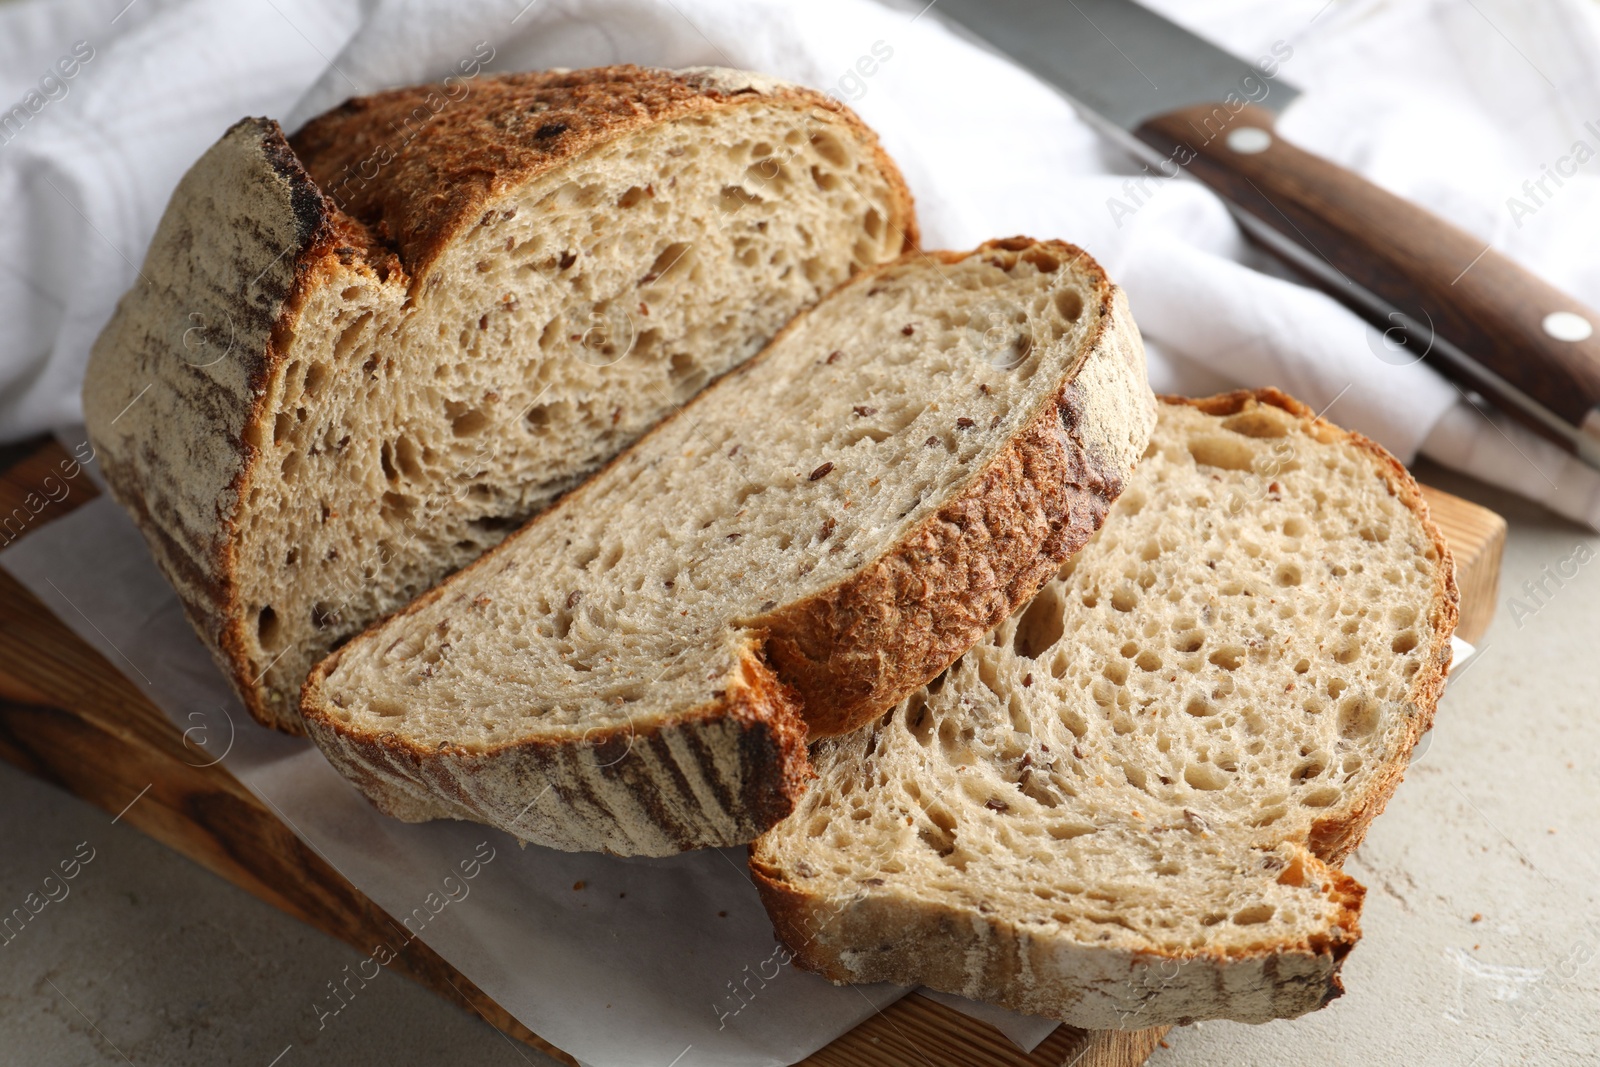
x=69 y=717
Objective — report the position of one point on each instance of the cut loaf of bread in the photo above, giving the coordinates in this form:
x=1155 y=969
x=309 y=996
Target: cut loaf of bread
x=358 y=358
x=817 y=534
x=1126 y=807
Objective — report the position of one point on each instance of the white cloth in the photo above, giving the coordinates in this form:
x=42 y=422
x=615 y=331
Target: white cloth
x=1452 y=105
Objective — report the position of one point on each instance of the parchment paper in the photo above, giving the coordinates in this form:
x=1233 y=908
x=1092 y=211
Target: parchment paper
x=649 y=960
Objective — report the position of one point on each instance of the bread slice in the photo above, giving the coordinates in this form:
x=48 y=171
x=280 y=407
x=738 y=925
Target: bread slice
x=358 y=358
x=817 y=534
x=1126 y=807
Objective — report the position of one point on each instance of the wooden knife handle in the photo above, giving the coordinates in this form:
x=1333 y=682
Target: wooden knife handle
x=1364 y=242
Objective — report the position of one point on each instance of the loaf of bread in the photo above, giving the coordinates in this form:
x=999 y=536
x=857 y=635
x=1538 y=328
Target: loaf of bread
x=1127 y=806
x=359 y=357
x=816 y=535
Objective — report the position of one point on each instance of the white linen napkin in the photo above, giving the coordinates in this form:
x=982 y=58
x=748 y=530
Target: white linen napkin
x=1454 y=106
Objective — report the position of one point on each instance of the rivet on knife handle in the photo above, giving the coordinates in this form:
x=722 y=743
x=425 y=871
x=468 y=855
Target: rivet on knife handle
x=1481 y=319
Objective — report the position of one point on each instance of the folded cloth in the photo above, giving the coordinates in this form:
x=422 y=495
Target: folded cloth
x=1454 y=106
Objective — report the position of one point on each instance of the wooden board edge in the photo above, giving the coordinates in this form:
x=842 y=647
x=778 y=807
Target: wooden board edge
x=902 y=1035
x=1477 y=540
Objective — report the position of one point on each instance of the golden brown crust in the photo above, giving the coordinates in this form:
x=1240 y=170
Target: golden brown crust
x=853 y=650
x=437 y=154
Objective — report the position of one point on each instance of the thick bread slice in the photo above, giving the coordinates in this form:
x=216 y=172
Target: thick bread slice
x=813 y=537
x=1126 y=807
x=357 y=359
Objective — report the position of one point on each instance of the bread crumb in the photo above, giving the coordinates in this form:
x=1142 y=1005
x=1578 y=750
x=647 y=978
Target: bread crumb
x=578 y=885
x=1477 y=916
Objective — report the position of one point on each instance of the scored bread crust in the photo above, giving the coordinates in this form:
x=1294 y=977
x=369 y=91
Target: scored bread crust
x=745 y=751
x=261 y=221
x=833 y=661
x=887 y=935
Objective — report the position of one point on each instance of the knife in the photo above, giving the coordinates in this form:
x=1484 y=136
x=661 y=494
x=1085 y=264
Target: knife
x=1438 y=293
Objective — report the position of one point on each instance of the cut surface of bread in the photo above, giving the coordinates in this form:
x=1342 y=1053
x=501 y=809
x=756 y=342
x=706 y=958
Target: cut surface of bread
x=1126 y=806
x=815 y=535
x=363 y=355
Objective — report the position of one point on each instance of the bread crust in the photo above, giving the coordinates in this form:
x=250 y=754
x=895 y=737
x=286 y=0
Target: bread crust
x=855 y=649
x=513 y=128
x=891 y=935
x=745 y=749
x=182 y=457
x=185 y=456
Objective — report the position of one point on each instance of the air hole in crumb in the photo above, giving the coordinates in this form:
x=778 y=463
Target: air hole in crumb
x=1041 y=625
x=465 y=421
x=1228 y=657
x=1257 y=422
x=1069 y=304
x=1312 y=768
x=828 y=147
x=667 y=260
x=349 y=336
x=1404 y=642
x=268 y=628
x=1225 y=453
x=1205 y=776
x=1253 y=915
x=1358 y=716
x=919 y=720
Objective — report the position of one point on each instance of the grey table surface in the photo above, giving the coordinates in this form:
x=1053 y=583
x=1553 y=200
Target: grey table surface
x=1482 y=930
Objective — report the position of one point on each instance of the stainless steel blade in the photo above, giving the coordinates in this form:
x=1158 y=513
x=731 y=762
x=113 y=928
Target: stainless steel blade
x=1120 y=63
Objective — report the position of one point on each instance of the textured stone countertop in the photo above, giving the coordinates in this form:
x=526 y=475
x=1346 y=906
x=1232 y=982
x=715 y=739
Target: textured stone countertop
x=1482 y=920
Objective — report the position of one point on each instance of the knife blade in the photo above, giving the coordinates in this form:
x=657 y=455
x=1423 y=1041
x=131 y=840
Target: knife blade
x=1438 y=294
